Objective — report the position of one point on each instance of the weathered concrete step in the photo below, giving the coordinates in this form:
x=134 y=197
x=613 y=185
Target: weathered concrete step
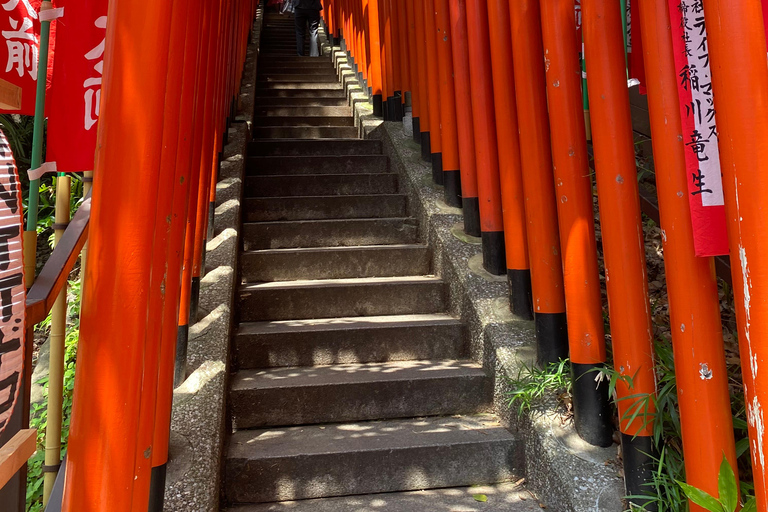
x=292 y=165
x=314 y=147
x=299 y=300
x=301 y=102
x=298 y=121
x=334 y=262
x=369 y=457
x=303 y=111
x=265 y=209
x=300 y=93
x=349 y=340
x=357 y=392
x=314 y=76
x=320 y=185
x=503 y=497
x=305 y=132
x=292 y=59
x=307 y=85
x=329 y=233
x=293 y=67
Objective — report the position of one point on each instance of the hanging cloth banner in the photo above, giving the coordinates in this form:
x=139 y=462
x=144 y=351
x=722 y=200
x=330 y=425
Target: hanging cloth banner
x=73 y=109
x=20 y=49
x=697 y=110
x=12 y=291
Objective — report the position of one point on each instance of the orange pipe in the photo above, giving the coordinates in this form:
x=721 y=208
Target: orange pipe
x=510 y=170
x=622 y=230
x=421 y=56
x=586 y=334
x=538 y=183
x=433 y=78
x=737 y=50
x=416 y=99
x=449 y=129
x=467 y=165
x=486 y=150
x=694 y=305
x=109 y=399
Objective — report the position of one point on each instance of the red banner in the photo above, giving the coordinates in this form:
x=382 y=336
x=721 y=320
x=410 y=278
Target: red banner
x=20 y=47
x=697 y=110
x=73 y=108
x=12 y=290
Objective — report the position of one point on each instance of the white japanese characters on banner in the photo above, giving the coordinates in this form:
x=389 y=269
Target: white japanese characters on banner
x=697 y=111
x=93 y=85
x=12 y=290
x=19 y=51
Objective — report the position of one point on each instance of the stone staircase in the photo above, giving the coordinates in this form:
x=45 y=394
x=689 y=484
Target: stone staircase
x=351 y=377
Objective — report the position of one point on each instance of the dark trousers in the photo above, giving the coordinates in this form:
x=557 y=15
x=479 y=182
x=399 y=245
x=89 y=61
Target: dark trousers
x=302 y=17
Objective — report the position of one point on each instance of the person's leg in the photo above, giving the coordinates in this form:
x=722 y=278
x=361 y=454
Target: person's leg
x=301 y=22
x=314 y=24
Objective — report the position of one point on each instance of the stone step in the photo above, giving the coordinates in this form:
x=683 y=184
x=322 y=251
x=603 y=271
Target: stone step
x=300 y=102
x=300 y=93
x=300 y=86
x=305 y=132
x=298 y=121
x=299 y=300
x=265 y=209
x=303 y=111
x=334 y=262
x=320 y=185
x=349 y=340
x=357 y=392
x=503 y=497
x=314 y=147
x=314 y=76
x=266 y=58
x=329 y=233
x=293 y=463
x=345 y=164
x=293 y=67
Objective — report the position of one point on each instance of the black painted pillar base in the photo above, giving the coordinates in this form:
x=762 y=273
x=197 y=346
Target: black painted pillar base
x=592 y=409
x=452 y=183
x=370 y=91
x=416 y=131
x=392 y=108
x=194 y=300
x=180 y=368
x=378 y=107
x=426 y=147
x=520 y=295
x=494 y=252
x=157 y=488
x=471 y=216
x=399 y=106
x=639 y=465
x=551 y=338
x=366 y=89
x=211 y=216
x=385 y=110
x=437 y=169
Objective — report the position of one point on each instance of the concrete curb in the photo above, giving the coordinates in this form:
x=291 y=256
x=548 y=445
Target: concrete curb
x=199 y=416
x=567 y=473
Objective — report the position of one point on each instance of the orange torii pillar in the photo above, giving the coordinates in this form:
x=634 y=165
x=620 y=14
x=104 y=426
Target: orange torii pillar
x=106 y=437
x=416 y=98
x=592 y=409
x=387 y=61
x=538 y=183
x=694 y=304
x=450 y=160
x=374 y=52
x=402 y=35
x=622 y=230
x=433 y=79
x=510 y=171
x=420 y=50
x=484 y=123
x=460 y=46
x=737 y=51
x=397 y=63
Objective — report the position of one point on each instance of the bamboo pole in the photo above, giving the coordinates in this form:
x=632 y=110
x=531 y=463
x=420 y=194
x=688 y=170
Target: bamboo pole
x=57 y=350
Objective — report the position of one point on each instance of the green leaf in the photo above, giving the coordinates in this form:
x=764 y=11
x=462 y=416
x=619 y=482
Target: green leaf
x=727 y=487
x=480 y=497
x=701 y=498
x=750 y=505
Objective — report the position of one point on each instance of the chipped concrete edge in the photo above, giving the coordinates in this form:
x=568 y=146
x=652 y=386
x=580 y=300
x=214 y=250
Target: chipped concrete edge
x=199 y=419
x=564 y=471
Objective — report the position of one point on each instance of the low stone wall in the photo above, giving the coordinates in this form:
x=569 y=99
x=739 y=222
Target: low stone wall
x=200 y=423
x=564 y=471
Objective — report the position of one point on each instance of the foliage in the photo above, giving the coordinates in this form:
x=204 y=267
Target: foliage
x=39 y=411
x=728 y=493
x=533 y=385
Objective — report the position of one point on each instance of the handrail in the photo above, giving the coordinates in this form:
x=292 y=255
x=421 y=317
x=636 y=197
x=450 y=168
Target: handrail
x=53 y=277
